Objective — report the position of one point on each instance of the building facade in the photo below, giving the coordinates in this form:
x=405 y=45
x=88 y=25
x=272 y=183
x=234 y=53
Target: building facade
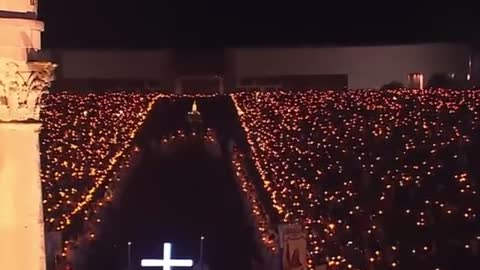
x=263 y=68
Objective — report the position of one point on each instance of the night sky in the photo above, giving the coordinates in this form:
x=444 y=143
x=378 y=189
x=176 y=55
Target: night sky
x=142 y=24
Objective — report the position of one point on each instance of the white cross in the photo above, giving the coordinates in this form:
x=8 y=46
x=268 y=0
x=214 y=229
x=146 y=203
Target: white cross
x=166 y=262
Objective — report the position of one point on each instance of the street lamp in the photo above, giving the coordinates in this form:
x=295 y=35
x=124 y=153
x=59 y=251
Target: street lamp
x=201 y=252
x=129 y=255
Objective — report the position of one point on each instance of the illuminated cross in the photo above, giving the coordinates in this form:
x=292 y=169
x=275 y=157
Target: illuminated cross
x=167 y=263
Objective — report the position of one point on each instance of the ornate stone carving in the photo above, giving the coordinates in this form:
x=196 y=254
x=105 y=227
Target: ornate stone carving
x=21 y=88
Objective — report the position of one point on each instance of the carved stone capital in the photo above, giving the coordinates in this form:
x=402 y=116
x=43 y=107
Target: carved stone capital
x=21 y=88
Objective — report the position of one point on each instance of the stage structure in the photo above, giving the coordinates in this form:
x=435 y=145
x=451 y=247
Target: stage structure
x=22 y=84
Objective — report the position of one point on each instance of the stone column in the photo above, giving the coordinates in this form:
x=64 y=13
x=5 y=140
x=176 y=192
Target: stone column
x=22 y=243
x=22 y=84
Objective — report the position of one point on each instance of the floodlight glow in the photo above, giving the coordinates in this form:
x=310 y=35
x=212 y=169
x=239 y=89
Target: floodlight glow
x=167 y=263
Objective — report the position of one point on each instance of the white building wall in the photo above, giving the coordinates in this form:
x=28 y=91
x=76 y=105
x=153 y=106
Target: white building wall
x=366 y=67
x=114 y=64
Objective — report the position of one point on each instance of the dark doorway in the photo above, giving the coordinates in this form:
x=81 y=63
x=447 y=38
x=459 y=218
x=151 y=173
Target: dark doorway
x=177 y=198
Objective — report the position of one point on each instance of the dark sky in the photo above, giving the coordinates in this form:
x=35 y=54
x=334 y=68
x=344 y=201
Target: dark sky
x=153 y=24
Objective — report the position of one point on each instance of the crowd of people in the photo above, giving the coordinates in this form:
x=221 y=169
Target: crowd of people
x=380 y=179
x=85 y=141
x=266 y=229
